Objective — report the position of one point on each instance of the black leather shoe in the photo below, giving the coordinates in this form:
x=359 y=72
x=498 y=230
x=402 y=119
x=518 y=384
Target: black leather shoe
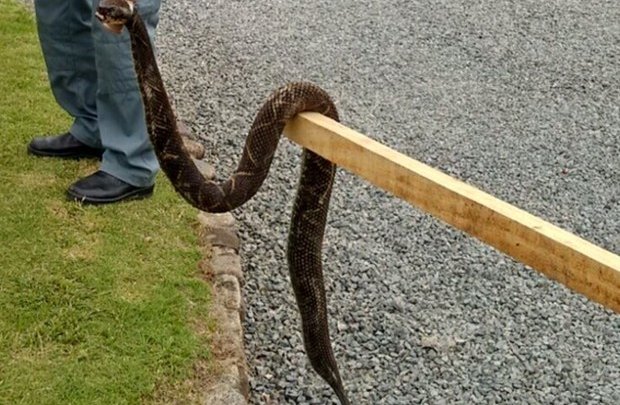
x=103 y=188
x=62 y=146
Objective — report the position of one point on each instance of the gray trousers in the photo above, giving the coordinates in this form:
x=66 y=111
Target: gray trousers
x=92 y=78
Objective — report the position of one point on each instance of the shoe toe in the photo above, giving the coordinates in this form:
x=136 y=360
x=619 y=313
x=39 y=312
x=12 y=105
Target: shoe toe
x=64 y=146
x=103 y=188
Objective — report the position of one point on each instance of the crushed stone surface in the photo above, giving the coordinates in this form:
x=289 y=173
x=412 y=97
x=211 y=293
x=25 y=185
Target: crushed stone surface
x=520 y=99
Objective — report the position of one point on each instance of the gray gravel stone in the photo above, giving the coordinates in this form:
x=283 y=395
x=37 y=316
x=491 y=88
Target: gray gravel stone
x=517 y=98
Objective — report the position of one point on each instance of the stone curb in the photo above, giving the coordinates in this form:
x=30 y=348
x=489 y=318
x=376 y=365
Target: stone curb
x=222 y=266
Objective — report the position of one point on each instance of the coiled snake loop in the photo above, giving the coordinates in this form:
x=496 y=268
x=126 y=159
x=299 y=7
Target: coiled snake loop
x=313 y=193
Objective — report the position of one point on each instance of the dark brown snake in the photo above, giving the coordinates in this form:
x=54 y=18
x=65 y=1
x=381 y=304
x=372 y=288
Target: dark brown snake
x=313 y=193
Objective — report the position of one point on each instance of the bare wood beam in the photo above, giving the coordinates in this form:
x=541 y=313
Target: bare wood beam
x=562 y=256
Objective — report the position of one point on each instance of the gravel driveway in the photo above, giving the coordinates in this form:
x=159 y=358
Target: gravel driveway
x=519 y=98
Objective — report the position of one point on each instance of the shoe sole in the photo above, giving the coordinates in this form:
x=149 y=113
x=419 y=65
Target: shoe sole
x=131 y=196
x=73 y=156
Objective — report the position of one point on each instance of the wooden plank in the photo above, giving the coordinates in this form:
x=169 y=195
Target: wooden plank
x=562 y=256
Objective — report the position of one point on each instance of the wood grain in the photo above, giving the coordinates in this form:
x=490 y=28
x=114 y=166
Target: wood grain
x=560 y=255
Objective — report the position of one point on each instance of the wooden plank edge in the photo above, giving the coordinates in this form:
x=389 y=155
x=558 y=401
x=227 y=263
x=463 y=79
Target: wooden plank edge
x=562 y=256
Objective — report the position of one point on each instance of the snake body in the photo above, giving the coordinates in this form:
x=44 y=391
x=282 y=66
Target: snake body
x=313 y=193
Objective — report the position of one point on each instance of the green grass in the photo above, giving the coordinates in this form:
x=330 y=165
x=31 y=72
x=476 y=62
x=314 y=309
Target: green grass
x=98 y=305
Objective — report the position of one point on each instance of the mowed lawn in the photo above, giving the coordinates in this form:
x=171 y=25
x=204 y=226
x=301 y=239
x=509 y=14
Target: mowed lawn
x=98 y=305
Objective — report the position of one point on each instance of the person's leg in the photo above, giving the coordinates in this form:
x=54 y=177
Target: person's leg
x=64 y=28
x=128 y=155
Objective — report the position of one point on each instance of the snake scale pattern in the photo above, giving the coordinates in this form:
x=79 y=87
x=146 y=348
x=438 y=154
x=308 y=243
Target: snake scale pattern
x=313 y=193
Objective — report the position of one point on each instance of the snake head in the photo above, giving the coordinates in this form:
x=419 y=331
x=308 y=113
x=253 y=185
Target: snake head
x=114 y=14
